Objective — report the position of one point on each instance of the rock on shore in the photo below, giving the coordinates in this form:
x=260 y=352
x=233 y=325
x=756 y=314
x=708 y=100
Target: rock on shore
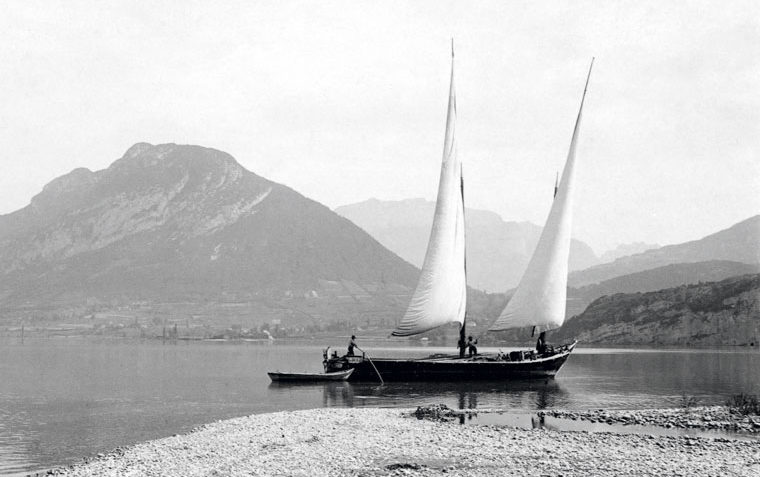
x=374 y=442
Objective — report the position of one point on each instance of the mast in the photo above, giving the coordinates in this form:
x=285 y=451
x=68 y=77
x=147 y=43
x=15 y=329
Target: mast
x=441 y=293
x=540 y=298
x=462 y=329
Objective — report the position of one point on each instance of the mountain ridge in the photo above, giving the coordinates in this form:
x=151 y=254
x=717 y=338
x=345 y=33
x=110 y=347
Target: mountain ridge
x=711 y=313
x=660 y=278
x=625 y=249
x=739 y=243
x=180 y=222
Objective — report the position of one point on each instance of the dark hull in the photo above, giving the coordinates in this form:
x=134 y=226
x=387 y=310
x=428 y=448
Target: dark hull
x=451 y=368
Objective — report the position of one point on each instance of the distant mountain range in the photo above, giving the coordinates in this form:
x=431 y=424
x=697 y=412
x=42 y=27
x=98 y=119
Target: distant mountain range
x=184 y=234
x=738 y=243
x=626 y=249
x=497 y=251
x=715 y=313
x=186 y=224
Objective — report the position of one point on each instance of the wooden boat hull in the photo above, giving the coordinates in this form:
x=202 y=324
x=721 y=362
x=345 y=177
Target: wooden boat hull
x=340 y=375
x=451 y=368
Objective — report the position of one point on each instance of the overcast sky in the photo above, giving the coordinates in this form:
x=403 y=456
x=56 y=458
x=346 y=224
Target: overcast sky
x=344 y=101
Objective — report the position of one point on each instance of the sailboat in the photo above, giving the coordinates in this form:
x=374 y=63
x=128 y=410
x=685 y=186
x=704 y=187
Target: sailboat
x=440 y=297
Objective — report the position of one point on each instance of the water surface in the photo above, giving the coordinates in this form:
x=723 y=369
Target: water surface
x=64 y=399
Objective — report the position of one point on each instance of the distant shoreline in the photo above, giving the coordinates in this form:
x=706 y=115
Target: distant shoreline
x=376 y=441
x=338 y=341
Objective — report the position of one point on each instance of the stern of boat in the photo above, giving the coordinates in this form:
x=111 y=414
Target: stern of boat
x=341 y=363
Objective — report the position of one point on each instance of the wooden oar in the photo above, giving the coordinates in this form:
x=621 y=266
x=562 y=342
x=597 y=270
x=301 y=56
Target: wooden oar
x=373 y=365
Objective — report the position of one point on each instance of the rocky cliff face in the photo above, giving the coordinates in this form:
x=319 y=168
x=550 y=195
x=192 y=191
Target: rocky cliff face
x=497 y=251
x=184 y=223
x=182 y=191
x=716 y=313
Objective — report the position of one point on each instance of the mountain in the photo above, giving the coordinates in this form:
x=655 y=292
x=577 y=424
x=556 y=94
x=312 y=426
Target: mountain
x=739 y=243
x=716 y=313
x=497 y=251
x=655 y=279
x=484 y=308
x=626 y=249
x=189 y=227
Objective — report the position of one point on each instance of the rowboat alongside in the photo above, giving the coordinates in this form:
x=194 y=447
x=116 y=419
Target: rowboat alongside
x=310 y=377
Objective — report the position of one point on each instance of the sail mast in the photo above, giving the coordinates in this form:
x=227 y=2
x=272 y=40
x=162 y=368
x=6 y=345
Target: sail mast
x=462 y=329
x=441 y=293
x=540 y=298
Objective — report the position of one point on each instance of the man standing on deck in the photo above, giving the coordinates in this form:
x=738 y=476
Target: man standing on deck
x=471 y=346
x=541 y=343
x=352 y=345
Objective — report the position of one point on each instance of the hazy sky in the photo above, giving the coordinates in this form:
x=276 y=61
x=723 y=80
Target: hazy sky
x=344 y=101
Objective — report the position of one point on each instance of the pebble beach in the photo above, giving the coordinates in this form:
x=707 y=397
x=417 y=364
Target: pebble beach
x=704 y=417
x=381 y=442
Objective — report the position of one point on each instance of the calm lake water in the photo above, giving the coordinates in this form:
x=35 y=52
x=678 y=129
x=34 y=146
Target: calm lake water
x=64 y=399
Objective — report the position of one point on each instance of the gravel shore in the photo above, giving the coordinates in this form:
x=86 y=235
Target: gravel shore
x=374 y=442
x=706 y=418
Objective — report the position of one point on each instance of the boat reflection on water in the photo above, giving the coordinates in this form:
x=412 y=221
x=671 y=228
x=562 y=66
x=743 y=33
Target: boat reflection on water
x=538 y=421
x=505 y=396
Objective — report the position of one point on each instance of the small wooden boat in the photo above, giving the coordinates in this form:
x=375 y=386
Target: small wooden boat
x=311 y=377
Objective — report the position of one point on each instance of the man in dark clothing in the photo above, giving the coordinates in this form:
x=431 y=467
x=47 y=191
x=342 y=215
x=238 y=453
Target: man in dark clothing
x=541 y=343
x=471 y=346
x=462 y=345
x=352 y=345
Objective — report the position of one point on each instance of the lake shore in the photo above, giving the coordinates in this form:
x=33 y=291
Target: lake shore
x=378 y=442
x=702 y=417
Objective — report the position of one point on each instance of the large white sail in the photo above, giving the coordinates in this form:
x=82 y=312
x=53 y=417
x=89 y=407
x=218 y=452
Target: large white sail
x=541 y=295
x=441 y=293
